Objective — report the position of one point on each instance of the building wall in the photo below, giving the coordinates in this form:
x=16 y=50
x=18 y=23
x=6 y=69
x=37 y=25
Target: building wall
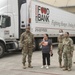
x=68 y=5
x=70 y=9
x=60 y=3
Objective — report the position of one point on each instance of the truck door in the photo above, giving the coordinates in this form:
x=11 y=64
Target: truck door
x=4 y=24
x=22 y=15
x=1 y=30
x=7 y=26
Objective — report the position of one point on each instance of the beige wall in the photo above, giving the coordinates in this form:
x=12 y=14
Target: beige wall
x=60 y=3
x=68 y=5
x=70 y=9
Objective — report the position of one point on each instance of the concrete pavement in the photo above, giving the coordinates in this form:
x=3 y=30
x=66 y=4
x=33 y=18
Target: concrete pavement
x=11 y=65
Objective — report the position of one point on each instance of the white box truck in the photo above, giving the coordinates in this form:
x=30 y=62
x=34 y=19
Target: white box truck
x=43 y=18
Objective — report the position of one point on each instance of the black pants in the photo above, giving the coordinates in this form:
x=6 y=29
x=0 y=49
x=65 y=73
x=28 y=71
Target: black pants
x=46 y=57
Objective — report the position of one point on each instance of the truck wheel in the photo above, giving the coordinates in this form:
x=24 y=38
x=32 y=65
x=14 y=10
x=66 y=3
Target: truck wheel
x=2 y=49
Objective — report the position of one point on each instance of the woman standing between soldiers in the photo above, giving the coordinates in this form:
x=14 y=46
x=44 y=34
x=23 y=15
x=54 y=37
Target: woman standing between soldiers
x=46 y=51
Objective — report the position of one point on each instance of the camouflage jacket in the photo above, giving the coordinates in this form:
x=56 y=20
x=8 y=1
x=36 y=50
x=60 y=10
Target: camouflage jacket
x=68 y=45
x=60 y=39
x=27 y=39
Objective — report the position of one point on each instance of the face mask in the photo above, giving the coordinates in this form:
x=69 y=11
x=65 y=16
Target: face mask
x=60 y=33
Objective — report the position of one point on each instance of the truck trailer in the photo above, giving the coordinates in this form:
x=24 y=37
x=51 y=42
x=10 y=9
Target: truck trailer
x=43 y=19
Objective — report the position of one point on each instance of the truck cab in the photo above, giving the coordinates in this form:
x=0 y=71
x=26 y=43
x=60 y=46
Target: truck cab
x=13 y=20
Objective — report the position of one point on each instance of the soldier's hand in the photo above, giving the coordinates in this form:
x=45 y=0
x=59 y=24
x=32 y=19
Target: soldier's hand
x=72 y=54
x=33 y=46
x=51 y=53
x=60 y=52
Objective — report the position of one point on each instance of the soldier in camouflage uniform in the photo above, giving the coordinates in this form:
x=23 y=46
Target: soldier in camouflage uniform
x=67 y=52
x=60 y=47
x=27 y=41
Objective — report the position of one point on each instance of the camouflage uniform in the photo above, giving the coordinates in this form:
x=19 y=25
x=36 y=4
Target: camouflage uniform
x=68 y=52
x=60 y=48
x=27 y=41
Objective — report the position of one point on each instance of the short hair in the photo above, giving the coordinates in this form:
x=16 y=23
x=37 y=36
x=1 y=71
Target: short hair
x=61 y=30
x=47 y=35
x=67 y=33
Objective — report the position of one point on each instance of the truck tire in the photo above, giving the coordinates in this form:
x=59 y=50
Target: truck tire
x=2 y=49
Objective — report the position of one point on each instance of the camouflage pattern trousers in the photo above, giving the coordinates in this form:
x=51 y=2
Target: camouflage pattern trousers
x=25 y=52
x=60 y=57
x=60 y=49
x=67 y=60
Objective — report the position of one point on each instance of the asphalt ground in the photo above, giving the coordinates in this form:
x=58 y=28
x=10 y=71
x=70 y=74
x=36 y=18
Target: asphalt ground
x=11 y=64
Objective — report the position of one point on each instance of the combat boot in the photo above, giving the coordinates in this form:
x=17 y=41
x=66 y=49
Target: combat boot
x=64 y=69
x=24 y=66
x=29 y=65
x=69 y=69
x=60 y=65
x=63 y=66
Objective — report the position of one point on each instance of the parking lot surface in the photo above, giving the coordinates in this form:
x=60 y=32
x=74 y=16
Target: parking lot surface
x=11 y=64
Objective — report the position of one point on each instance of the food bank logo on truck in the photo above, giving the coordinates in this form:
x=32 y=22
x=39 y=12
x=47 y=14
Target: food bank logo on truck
x=41 y=14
